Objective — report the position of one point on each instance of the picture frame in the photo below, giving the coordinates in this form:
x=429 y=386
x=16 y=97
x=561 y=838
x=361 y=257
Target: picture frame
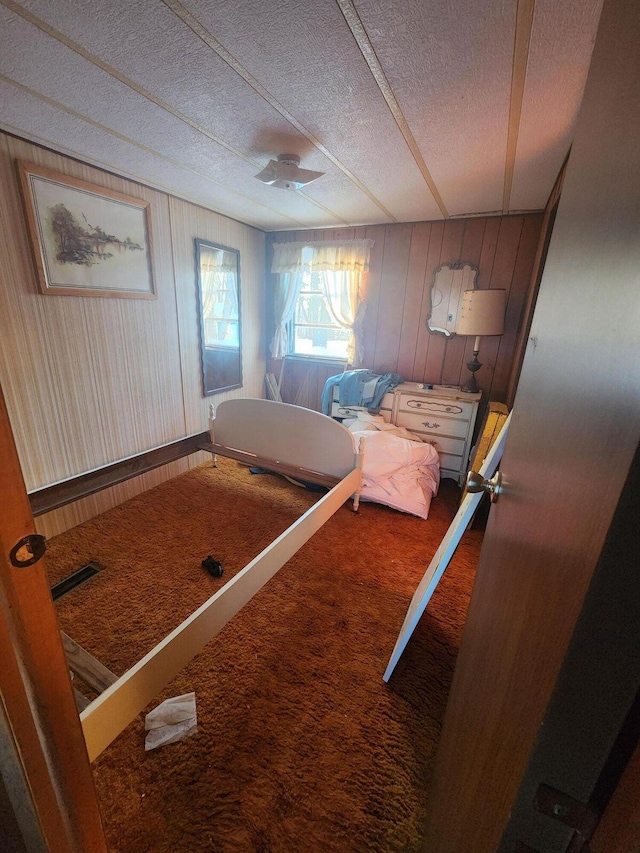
x=87 y=240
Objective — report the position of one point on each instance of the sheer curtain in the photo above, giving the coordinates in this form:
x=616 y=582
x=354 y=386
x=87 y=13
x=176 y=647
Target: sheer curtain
x=342 y=289
x=209 y=277
x=219 y=276
x=341 y=265
x=287 y=290
x=288 y=264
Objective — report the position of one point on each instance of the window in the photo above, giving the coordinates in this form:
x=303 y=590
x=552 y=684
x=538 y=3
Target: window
x=318 y=308
x=315 y=331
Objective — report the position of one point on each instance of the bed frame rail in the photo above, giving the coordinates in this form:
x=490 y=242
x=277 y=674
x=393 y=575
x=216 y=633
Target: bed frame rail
x=104 y=719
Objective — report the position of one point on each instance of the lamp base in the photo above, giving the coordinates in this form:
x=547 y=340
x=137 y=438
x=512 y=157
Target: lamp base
x=471 y=386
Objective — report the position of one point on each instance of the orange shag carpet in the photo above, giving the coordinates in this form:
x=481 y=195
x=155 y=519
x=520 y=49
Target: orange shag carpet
x=300 y=746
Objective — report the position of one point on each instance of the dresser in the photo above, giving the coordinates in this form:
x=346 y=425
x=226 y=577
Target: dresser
x=445 y=417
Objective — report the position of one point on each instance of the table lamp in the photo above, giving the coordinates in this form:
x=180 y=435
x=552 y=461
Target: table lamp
x=481 y=313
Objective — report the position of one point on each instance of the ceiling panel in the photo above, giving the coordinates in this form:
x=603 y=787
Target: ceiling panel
x=390 y=99
x=561 y=43
x=28 y=116
x=452 y=81
x=25 y=49
x=305 y=56
x=147 y=43
x=228 y=99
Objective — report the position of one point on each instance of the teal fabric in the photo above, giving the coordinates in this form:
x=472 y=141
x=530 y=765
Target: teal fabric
x=359 y=388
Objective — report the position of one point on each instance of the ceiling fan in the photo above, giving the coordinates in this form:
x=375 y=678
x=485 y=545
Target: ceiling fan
x=286 y=174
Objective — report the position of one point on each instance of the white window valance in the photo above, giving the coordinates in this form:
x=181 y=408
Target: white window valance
x=335 y=255
x=217 y=260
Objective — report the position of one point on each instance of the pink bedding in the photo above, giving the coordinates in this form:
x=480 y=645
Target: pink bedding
x=398 y=471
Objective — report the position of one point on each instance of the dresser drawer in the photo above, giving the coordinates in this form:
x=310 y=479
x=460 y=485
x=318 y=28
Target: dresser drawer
x=338 y=411
x=452 y=463
x=450 y=408
x=434 y=424
x=450 y=454
x=451 y=446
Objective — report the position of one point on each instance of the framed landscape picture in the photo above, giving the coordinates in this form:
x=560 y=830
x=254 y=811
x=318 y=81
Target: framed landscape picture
x=87 y=240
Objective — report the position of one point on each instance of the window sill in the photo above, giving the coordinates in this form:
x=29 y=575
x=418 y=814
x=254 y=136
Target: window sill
x=317 y=359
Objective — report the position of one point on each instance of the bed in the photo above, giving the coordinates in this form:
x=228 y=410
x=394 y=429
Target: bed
x=280 y=437
x=398 y=468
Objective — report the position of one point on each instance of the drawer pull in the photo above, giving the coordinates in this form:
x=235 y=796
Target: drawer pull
x=431 y=426
x=434 y=407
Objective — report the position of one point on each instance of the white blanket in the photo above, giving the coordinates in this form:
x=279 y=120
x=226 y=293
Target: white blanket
x=397 y=471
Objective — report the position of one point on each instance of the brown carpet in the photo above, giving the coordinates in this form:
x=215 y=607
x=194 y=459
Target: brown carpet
x=301 y=747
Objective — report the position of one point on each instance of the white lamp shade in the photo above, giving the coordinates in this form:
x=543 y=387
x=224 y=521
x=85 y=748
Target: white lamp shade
x=482 y=312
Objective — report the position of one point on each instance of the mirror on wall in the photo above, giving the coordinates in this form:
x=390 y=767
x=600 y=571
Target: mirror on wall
x=449 y=284
x=218 y=278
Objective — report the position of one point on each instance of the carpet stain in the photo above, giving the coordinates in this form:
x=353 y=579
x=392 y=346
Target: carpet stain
x=300 y=746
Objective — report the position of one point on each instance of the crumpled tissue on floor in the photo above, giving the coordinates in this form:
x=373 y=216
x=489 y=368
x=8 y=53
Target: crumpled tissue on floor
x=173 y=720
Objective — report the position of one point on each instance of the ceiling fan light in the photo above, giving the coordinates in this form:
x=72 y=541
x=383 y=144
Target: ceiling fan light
x=284 y=173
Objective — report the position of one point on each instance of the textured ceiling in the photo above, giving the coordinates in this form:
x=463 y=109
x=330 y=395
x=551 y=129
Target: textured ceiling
x=414 y=110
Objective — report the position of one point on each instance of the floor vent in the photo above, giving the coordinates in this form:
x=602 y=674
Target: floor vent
x=74 y=580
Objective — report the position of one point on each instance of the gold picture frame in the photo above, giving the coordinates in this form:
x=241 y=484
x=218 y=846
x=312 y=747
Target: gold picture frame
x=87 y=240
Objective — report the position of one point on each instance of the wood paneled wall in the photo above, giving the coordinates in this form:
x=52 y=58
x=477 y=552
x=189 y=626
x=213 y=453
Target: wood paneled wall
x=403 y=260
x=88 y=380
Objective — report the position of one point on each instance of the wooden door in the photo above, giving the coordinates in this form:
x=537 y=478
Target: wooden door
x=52 y=777
x=574 y=431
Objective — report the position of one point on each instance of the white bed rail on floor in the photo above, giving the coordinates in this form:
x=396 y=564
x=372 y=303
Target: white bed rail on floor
x=113 y=710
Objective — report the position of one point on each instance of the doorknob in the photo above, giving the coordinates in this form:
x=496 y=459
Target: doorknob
x=477 y=483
